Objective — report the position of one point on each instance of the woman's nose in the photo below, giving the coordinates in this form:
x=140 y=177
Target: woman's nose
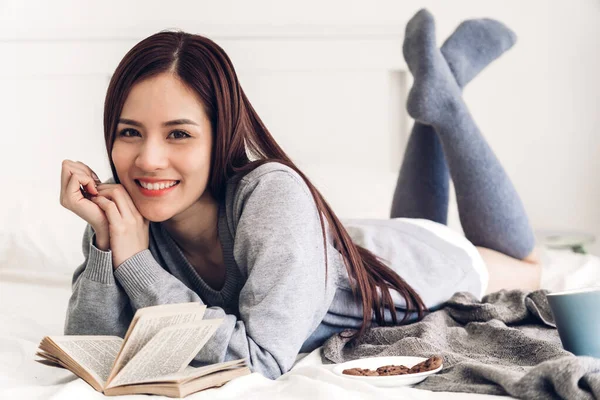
x=152 y=156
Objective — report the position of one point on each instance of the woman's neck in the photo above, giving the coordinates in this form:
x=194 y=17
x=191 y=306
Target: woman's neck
x=195 y=229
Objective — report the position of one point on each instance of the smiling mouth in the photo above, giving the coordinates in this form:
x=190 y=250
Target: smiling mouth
x=138 y=183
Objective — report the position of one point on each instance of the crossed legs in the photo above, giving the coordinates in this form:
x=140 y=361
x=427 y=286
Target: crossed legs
x=445 y=142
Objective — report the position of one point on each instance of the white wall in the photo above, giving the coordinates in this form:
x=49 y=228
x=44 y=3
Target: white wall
x=537 y=105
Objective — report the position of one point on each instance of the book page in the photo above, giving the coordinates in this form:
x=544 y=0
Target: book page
x=169 y=351
x=148 y=321
x=214 y=380
x=190 y=373
x=95 y=354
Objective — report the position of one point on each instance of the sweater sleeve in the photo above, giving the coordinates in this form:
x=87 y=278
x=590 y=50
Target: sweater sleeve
x=98 y=305
x=148 y=284
x=104 y=302
x=278 y=238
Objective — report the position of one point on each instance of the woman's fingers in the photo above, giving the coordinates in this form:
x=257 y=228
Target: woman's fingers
x=110 y=209
x=72 y=193
x=72 y=199
x=89 y=171
x=73 y=177
x=129 y=201
x=117 y=194
x=69 y=168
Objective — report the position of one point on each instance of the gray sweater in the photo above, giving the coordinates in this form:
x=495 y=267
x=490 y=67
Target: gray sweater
x=276 y=301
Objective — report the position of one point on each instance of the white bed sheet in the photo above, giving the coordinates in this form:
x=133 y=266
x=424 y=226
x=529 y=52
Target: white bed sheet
x=33 y=306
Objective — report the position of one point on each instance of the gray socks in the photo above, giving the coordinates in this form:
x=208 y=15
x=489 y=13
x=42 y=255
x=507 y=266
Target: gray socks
x=445 y=136
x=474 y=45
x=422 y=189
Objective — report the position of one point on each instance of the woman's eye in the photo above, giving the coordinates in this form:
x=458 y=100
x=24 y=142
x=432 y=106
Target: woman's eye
x=180 y=135
x=128 y=132
x=132 y=132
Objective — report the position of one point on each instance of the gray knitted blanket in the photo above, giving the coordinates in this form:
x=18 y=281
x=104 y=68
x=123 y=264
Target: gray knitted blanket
x=506 y=344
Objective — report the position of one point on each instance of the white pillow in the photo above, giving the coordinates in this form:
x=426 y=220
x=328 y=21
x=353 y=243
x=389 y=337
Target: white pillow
x=38 y=237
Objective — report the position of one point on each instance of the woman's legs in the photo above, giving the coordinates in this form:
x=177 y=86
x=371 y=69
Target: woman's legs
x=422 y=189
x=491 y=212
x=506 y=272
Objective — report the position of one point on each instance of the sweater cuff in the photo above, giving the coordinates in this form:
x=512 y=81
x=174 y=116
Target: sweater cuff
x=99 y=267
x=139 y=272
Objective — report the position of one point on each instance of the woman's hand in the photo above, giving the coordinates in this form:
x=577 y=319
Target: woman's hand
x=128 y=230
x=74 y=175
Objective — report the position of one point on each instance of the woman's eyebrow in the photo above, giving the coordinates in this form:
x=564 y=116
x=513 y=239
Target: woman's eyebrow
x=181 y=121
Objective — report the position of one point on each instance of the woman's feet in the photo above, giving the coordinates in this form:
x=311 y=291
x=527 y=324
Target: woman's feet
x=440 y=74
x=434 y=91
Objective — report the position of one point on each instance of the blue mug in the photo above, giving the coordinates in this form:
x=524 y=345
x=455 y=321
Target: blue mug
x=577 y=317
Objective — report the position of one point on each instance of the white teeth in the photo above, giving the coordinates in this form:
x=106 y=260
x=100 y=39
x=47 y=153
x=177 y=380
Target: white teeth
x=157 y=186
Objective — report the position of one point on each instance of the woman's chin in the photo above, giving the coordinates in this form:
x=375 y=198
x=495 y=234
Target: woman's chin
x=156 y=216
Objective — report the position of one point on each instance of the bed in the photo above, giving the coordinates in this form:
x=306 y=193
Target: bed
x=40 y=242
x=32 y=305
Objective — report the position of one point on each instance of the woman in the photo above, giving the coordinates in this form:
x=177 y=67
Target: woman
x=189 y=217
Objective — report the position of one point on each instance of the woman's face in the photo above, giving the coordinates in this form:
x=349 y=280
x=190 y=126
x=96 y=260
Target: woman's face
x=163 y=137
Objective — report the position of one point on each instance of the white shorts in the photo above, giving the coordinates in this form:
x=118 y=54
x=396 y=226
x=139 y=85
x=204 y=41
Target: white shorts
x=459 y=240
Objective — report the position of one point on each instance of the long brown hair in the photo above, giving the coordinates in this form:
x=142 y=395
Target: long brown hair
x=206 y=68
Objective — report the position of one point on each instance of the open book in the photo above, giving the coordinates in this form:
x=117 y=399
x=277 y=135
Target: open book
x=153 y=358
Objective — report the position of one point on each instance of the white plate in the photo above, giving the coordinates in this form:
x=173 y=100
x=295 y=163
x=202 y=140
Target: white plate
x=386 y=381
